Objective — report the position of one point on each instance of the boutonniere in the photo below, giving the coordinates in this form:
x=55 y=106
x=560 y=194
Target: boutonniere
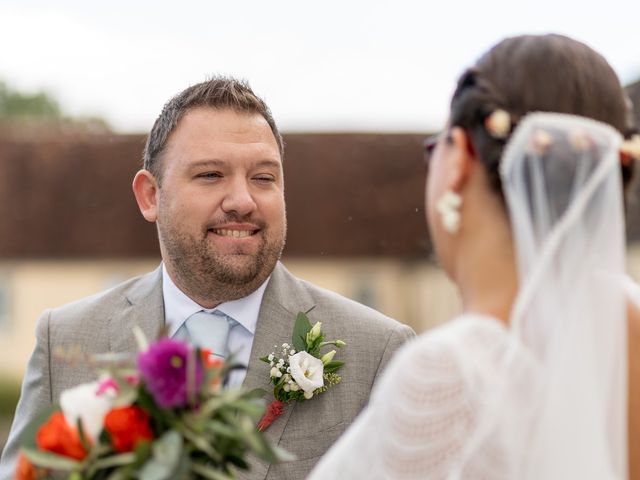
x=300 y=370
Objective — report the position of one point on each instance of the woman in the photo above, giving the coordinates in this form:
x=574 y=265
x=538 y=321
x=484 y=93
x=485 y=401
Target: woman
x=525 y=210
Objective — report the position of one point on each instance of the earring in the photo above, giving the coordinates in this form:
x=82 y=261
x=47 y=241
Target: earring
x=448 y=207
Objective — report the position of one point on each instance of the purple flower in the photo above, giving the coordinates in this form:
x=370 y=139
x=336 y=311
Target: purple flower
x=163 y=368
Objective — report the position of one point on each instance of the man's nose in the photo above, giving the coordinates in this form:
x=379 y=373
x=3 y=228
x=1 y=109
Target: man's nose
x=238 y=198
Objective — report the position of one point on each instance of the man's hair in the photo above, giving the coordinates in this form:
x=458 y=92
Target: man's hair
x=219 y=92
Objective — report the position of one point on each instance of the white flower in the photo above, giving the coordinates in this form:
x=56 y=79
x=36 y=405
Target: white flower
x=327 y=357
x=307 y=371
x=85 y=404
x=314 y=333
x=308 y=395
x=292 y=352
x=294 y=387
x=274 y=372
x=271 y=357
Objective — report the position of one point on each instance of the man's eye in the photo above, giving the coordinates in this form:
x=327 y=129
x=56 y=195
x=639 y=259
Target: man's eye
x=264 y=178
x=209 y=175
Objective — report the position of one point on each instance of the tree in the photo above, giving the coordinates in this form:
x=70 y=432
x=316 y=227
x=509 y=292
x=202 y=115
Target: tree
x=40 y=110
x=15 y=104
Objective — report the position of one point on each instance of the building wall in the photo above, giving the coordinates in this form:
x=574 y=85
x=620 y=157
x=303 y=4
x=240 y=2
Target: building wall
x=414 y=292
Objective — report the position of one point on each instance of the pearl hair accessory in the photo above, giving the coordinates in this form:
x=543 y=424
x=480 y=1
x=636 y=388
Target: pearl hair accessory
x=498 y=124
x=448 y=207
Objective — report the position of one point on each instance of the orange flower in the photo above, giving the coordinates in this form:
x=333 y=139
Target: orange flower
x=25 y=469
x=127 y=426
x=58 y=437
x=209 y=360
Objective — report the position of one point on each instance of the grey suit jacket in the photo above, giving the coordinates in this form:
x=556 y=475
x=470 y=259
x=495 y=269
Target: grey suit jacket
x=103 y=323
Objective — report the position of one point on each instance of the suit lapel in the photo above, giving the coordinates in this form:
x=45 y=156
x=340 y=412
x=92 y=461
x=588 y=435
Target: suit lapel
x=143 y=305
x=282 y=300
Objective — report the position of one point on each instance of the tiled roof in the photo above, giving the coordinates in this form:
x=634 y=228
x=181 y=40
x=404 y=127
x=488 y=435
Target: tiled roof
x=355 y=195
x=347 y=195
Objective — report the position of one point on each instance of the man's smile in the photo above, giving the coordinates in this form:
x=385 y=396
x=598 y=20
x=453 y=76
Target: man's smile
x=225 y=232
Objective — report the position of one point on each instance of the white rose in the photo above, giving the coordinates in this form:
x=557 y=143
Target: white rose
x=84 y=403
x=307 y=371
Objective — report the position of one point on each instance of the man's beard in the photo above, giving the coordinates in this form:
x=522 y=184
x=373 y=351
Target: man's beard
x=210 y=277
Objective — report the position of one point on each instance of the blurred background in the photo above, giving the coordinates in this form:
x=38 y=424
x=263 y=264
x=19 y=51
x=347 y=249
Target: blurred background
x=355 y=87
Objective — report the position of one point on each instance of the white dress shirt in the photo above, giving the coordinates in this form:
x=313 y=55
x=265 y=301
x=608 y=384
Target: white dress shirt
x=178 y=307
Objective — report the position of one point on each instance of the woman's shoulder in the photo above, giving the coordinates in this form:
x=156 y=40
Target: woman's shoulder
x=468 y=330
x=467 y=344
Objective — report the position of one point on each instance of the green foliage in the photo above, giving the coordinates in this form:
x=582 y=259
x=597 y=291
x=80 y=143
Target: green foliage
x=41 y=108
x=300 y=330
x=15 y=104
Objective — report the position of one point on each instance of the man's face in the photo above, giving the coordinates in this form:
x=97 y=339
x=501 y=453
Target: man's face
x=220 y=205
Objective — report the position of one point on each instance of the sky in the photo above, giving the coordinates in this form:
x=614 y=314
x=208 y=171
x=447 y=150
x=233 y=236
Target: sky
x=348 y=65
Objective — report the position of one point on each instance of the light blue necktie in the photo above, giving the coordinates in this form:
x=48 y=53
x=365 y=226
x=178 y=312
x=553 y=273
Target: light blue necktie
x=208 y=330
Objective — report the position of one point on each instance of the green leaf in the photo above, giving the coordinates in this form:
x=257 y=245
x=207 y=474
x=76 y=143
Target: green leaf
x=252 y=408
x=51 y=460
x=200 y=442
x=223 y=430
x=333 y=366
x=166 y=458
x=115 y=461
x=226 y=397
x=300 y=330
x=208 y=472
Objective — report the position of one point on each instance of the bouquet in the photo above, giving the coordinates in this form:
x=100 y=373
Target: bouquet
x=164 y=416
x=300 y=370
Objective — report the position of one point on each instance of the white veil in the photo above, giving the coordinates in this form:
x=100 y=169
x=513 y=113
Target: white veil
x=560 y=411
x=546 y=398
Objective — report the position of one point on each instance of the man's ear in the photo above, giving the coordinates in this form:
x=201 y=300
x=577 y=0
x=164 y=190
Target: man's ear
x=462 y=160
x=145 y=188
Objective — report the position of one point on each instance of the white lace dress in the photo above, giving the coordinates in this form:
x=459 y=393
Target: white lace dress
x=419 y=419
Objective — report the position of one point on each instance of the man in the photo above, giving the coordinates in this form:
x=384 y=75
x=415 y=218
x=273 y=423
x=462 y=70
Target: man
x=213 y=184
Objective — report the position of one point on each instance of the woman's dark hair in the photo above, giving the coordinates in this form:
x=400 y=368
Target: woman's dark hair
x=544 y=73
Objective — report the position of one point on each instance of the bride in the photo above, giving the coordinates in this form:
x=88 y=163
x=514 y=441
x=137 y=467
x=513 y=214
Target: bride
x=539 y=377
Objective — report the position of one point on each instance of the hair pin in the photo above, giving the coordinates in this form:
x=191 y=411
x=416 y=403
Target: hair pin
x=498 y=124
